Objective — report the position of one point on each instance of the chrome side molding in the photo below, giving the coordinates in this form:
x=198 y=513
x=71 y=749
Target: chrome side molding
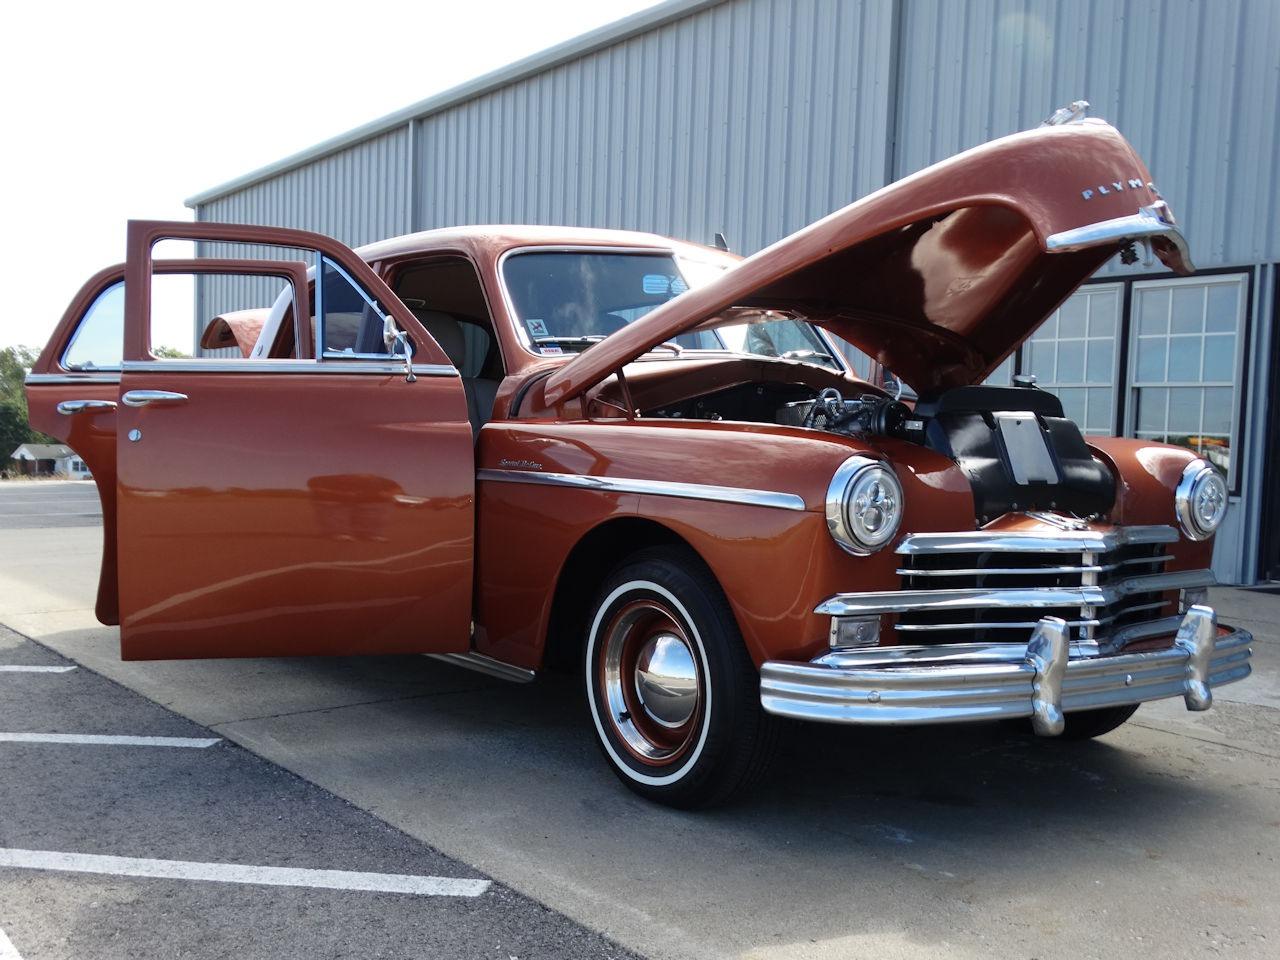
x=330 y=366
x=657 y=488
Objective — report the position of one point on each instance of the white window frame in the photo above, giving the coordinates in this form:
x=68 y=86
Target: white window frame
x=1023 y=364
x=1132 y=385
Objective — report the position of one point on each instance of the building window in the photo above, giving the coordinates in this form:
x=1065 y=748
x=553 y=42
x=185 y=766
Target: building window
x=1184 y=364
x=1074 y=355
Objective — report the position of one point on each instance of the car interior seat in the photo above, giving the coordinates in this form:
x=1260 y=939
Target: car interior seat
x=471 y=349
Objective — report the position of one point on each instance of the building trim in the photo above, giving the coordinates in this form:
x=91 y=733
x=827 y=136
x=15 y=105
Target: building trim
x=573 y=49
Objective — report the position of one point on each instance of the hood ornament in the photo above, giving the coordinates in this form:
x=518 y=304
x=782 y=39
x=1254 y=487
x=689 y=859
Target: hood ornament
x=1074 y=112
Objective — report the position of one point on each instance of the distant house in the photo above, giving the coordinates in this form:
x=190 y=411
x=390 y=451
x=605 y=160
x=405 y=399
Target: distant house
x=49 y=460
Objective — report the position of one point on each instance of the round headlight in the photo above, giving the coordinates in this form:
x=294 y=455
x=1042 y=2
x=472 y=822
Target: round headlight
x=864 y=505
x=1201 y=500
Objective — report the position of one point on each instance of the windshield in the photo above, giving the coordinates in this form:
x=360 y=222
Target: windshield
x=569 y=300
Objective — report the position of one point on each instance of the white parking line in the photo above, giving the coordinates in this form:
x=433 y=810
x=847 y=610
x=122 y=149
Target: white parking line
x=19 y=668
x=114 y=741
x=237 y=873
x=7 y=950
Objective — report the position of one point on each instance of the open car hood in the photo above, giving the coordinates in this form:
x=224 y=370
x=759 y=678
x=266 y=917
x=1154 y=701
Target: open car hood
x=941 y=275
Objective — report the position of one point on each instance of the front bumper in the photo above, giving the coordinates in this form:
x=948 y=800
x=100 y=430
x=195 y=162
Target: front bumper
x=1042 y=679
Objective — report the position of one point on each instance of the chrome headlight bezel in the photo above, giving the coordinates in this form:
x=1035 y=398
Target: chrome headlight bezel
x=847 y=527
x=1200 y=480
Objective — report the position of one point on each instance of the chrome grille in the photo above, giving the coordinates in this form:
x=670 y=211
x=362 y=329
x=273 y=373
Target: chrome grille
x=988 y=570
x=994 y=586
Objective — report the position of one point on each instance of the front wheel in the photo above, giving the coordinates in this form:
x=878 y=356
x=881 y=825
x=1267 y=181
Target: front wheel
x=674 y=698
x=1087 y=724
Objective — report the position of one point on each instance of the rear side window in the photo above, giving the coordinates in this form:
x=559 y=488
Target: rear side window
x=98 y=343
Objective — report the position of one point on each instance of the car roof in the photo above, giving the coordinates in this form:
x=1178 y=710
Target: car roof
x=495 y=238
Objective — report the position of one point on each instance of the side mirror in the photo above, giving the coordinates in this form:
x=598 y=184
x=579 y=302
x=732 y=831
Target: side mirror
x=393 y=336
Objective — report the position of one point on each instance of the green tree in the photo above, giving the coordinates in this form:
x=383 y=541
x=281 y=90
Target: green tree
x=14 y=429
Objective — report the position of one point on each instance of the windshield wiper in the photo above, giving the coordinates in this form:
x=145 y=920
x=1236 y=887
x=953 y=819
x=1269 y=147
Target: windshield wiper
x=808 y=355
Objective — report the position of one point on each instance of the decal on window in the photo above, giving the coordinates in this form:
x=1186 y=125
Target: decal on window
x=537 y=327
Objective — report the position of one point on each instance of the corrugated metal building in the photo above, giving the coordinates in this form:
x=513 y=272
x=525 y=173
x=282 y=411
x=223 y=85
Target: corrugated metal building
x=755 y=117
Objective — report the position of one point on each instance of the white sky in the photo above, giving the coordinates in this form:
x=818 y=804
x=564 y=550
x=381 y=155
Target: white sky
x=112 y=111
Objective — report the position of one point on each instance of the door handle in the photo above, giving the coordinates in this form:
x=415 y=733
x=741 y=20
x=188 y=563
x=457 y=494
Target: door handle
x=69 y=407
x=161 y=398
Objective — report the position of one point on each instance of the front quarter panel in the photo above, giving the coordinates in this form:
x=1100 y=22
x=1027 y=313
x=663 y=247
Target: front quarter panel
x=775 y=565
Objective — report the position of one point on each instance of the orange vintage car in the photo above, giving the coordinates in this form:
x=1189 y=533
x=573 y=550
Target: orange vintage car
x=645 y=460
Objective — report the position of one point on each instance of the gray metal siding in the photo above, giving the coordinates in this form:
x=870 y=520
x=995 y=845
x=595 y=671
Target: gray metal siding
x=1195 y=86
x=753 y=118
x=358 y=195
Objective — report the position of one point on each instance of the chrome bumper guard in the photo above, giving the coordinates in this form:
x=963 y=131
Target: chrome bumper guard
x=1041 y=679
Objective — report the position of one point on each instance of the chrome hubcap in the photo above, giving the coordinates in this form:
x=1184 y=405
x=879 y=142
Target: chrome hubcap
x=667 y=680
x=650 y=681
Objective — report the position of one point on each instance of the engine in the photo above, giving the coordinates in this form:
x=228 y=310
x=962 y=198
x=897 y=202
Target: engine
x=1015 y=446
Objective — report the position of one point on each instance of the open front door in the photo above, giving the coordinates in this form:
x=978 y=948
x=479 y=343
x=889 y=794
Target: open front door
x=317 y=504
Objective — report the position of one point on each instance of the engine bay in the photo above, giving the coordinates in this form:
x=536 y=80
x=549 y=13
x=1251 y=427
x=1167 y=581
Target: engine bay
x=1014 y=444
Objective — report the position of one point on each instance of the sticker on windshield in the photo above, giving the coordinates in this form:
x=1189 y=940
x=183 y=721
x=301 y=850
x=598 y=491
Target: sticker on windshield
x=537 y=328
x=551 y=351
x=655 y=284
x=658 y=284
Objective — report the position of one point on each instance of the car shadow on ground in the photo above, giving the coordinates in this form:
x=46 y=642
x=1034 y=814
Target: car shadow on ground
x=914 y=826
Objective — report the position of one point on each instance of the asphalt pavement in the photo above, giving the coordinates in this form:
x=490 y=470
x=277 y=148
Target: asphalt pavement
x=129 y=831
x=1160 y=840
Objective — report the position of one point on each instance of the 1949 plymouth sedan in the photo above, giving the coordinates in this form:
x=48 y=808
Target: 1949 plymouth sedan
x=646 y=460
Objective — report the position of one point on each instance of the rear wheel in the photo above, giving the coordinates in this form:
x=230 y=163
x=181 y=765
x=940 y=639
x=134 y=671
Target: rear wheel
x=674 y=698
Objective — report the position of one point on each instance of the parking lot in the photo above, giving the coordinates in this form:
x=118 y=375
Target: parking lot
x=1161 y=840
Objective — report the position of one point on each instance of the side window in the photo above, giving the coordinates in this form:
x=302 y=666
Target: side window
x=445 y=295
x=185 y=326
x=98 y=343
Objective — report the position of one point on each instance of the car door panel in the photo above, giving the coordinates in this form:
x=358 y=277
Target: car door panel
x=299 y=507
x=257 y=525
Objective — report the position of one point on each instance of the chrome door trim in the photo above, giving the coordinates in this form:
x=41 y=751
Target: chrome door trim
x=657 y=488
x=43 y=379
x=161 y=398
x=70 y=407
x=268 y=366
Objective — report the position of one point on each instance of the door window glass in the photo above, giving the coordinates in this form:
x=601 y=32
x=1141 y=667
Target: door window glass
x=1185 y=355
x=1073 y=355
x=353 y=323
x=98 y=343
x=182 y=328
